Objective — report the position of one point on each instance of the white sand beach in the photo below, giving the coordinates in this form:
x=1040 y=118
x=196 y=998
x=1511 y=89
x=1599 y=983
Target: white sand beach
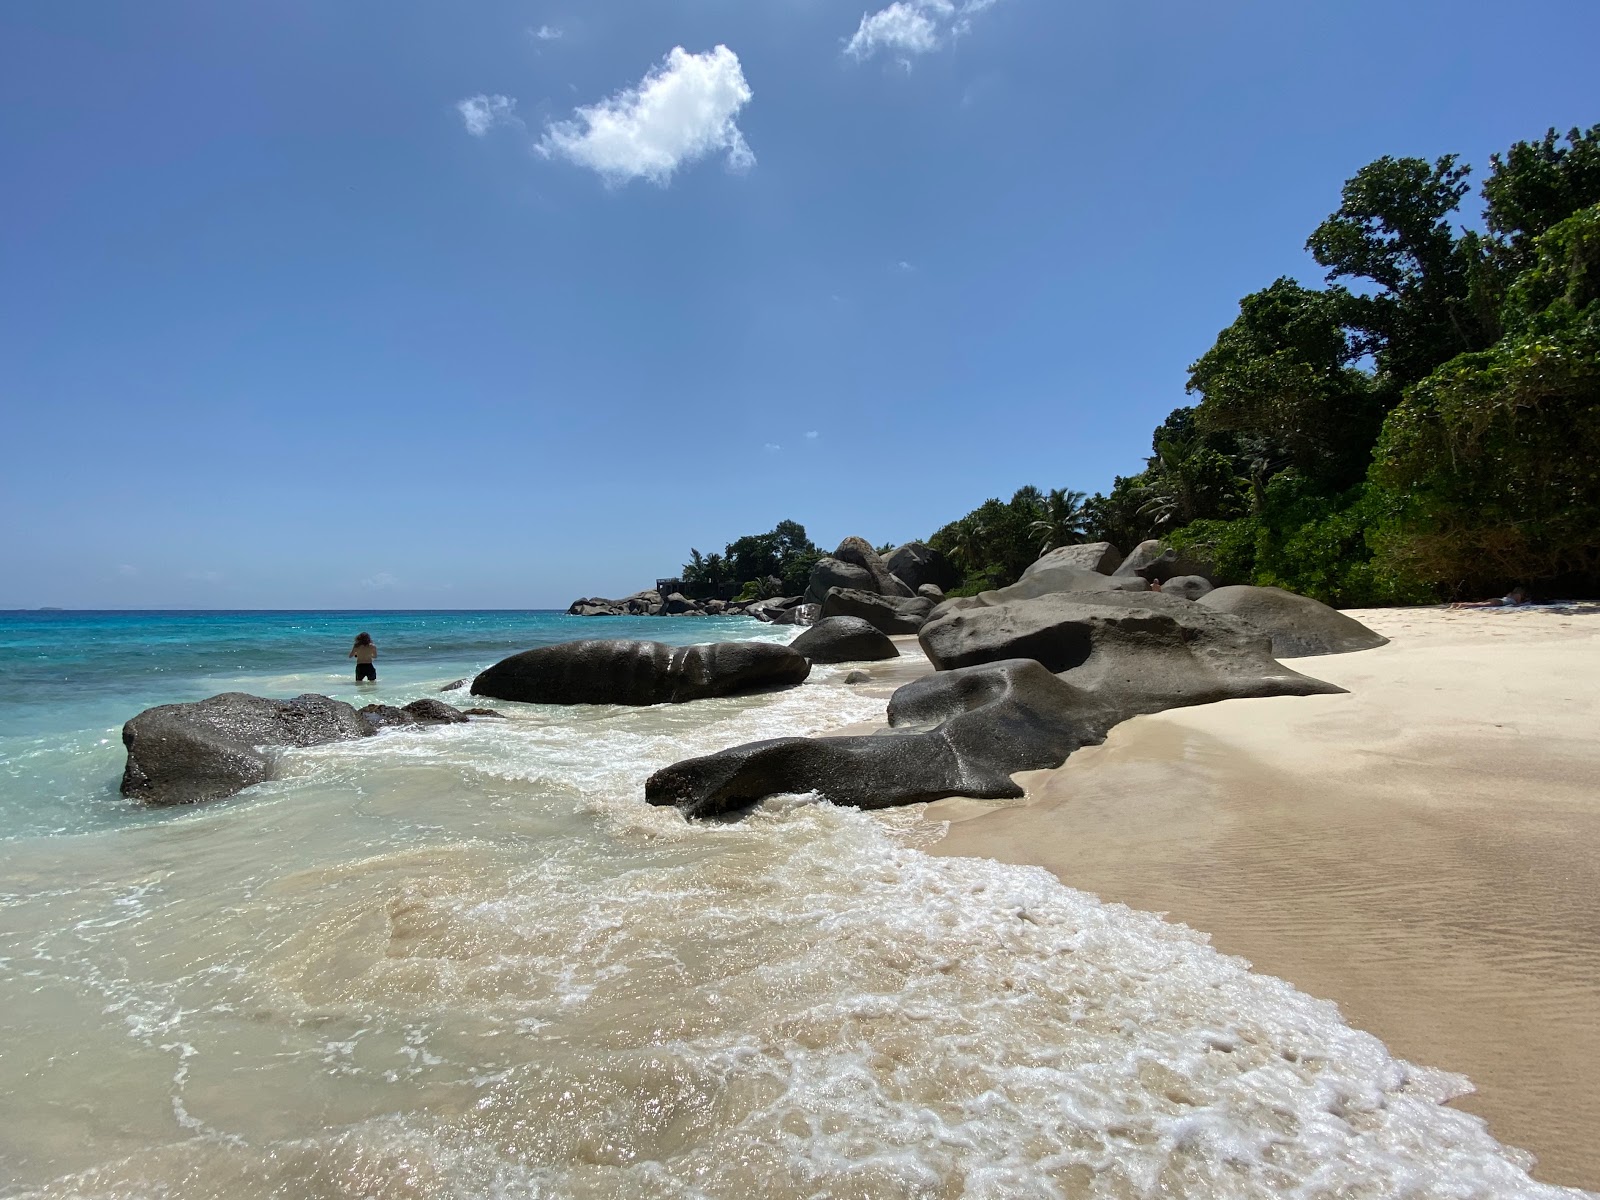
x=1424 y=850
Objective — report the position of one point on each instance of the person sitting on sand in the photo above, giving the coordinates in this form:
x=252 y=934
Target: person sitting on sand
x=364 y=652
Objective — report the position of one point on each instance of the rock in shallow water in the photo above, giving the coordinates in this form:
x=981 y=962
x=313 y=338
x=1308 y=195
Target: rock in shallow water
x=888 y=614
x=186 y=753
x=640 y=673
x=956 y=733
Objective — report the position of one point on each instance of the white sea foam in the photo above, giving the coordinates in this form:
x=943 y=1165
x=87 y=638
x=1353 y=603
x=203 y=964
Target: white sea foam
x=471 y=962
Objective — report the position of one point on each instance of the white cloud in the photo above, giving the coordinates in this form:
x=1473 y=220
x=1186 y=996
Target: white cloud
x=546 y=33
x=381 y=582
x=909 y=27
x=813 y=435
x=482 y=113
x=684 y=110
x=771 y=447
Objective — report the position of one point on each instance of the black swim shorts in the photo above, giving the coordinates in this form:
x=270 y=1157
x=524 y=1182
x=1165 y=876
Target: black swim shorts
x=366 y=671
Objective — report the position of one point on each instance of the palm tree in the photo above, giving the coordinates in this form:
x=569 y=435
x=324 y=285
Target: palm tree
x=1065 y=521
x=968 y=547
x=694 y=571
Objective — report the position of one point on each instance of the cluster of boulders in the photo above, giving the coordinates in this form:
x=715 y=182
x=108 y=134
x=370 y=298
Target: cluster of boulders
x=907 y=585
x=1030 y=672
x=1025 y=675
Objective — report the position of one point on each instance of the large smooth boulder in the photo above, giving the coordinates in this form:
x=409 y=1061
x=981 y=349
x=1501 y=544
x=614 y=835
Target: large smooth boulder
x=677 y=604
x=957 y=733
x=1299 y=626
x=932 y=591
x=1050 y=581
x=186 y=753
x=1101 y=557
x=1175 y=564
x=1187 y=587
x=844 y=639
x=889 y=614
x=858 y=552
x=639 y=673
x=800 y=614
x=830 y=573
x=1137 y=652
x=1140 y=557
x=918 y=564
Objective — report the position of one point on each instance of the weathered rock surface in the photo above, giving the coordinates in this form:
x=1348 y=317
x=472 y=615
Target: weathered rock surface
x=844 y=639
x=800 y=614
x=1050 y=581
x=418 y=712
x=858 y=552
x=1101 y=557
x=1140 y=557
x=918 y=564
x=960 y=732
x=1187 y=587
x=639 y=673
x=1138 y=653
x=858 y=677
x=932 y=591
x=1174 y=564
x=1299 y=626
x=830 y=573
x=459 y=683
x=768 y=610
x=889 y=614
x=186 y=753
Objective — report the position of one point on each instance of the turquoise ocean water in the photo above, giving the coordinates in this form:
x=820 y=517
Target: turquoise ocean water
x=470 y=962
x=68 y=680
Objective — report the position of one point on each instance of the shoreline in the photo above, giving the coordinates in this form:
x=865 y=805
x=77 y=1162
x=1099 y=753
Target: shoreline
x=1423 y=850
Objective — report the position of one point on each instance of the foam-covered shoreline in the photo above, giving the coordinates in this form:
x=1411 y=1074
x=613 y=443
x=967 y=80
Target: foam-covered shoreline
x=1424 y=850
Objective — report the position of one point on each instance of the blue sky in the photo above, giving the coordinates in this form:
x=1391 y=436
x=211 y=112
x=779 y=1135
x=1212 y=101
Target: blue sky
x=283 y=324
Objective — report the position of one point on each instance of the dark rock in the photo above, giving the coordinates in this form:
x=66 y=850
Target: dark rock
x=677 y=604
x=457 y=685
x=385 y=716
x=890 y=614
x=1186 y=587
x=858 y=552
x=418 y=712
x=715 y=608
x=961 y=733
x=918 y=564
x=858 y=677
x=639 y=673
x=1174 y=564
x=186 y=753
x=1137 y=652
x=1299 y=626
x=800 y=614
x=1101 y=557
x=932 y=591
x=830 y=573
x=844 y=639
x=483 y=712
x=1141 y=557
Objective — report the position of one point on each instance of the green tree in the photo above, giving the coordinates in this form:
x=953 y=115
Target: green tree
x=1536 y=185
x=1064 y=521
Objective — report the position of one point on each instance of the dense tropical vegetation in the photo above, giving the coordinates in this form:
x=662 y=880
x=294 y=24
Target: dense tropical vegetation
x=754 y=567
x=1424 y=424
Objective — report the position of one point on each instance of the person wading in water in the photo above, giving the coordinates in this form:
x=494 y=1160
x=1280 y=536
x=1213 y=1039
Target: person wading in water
x=365 y=653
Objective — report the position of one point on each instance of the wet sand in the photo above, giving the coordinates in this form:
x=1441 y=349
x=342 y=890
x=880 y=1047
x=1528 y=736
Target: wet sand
x=1424 y=850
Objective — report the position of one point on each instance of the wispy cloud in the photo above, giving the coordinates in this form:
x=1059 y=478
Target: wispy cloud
x=771 y=447
x=547 y=33
x=127 y=570
x=482 y=113
x=684 y=110
x=910 y=27
x=812 y=435
x=381 y=582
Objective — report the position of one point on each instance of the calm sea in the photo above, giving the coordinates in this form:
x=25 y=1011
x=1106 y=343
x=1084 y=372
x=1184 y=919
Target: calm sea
x=471 y=962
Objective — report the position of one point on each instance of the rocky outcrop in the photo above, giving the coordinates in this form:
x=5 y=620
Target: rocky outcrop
x=1100 y=557
x=889 y=614
x=640 y=604
x=1140 y=558
x=1299 y=626
x=455 y=686
x=800 y=614
x=960 y=732
x=1137 y=652
x=1050 y=581
x=1186 y=587
x=187 y=753
x=769 y=610
x=844 y=639
x=918 y=565
x=932 y=591
x=830 y=573
x=858 y=552
x=1174 y=564
x=640 y=673
x=418 y=712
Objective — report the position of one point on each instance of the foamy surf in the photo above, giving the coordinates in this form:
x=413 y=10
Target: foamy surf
x=471 y=962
